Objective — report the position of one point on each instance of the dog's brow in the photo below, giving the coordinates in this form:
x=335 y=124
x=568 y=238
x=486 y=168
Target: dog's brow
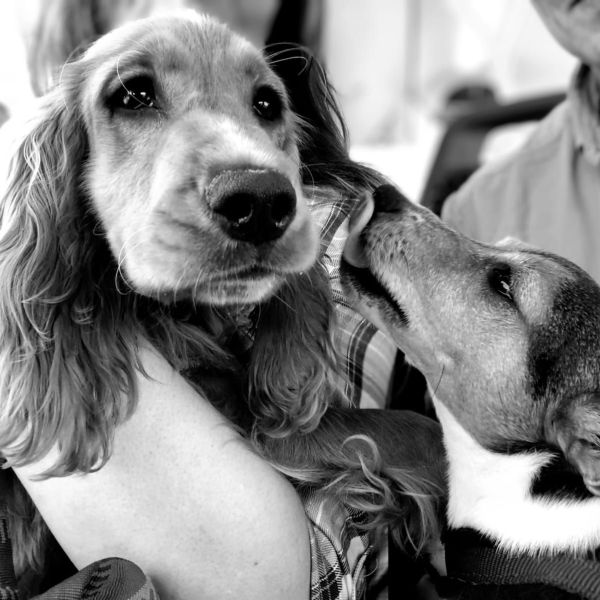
x=127 y=65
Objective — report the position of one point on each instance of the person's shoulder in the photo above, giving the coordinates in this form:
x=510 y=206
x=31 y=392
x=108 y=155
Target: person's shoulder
x=532 y=158
x=539 y=147
x=553 y=130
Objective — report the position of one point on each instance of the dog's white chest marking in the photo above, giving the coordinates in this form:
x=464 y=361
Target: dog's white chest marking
x=490 y=492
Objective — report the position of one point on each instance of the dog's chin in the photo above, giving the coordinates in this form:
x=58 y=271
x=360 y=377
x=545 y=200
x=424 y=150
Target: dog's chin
x=229 y=292
x=372 y=297
x=249 y=287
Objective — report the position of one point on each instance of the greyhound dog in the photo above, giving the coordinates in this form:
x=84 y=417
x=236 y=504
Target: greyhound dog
x=508 y=338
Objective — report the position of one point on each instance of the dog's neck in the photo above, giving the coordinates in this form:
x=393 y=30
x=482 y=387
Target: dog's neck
x=491 y=493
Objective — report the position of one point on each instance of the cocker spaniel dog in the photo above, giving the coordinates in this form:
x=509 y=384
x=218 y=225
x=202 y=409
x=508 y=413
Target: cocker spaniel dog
x=162 y=193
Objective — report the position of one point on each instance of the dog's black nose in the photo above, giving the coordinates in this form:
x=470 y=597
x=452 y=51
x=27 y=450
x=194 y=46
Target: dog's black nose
x=254 y=206
x=388 y=198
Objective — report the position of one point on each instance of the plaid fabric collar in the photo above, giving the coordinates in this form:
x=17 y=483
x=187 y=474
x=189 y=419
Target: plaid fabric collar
x=330 y=208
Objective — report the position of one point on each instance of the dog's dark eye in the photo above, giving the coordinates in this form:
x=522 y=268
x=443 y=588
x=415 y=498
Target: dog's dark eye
x=500 y=280
x=267 y=103
x=134 y=94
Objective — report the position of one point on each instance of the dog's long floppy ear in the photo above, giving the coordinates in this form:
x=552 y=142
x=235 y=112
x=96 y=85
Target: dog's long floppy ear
x=323 y=137
x=576 y=428
x=61 y=376
x=293 y=368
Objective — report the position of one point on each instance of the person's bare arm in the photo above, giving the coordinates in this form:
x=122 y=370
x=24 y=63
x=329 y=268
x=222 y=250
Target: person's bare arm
x=186 y=499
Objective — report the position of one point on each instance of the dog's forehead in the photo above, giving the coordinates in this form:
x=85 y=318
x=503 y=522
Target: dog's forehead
x=183 y=29
x=192 y=43
x=539 y=277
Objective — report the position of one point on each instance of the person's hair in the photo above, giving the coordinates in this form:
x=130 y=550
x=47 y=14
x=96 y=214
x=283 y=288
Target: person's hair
x=65 y=28
x=62 y=32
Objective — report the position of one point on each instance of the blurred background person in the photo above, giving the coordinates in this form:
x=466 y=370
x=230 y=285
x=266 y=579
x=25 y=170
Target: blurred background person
x=58 y=30
x=393 y=64
x=546 y=193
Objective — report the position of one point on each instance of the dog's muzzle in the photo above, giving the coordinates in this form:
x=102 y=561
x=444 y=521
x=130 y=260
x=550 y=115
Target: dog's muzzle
x=252 y=205
x=385 y=199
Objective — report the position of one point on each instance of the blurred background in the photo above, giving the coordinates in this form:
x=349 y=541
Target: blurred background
x=404 y=70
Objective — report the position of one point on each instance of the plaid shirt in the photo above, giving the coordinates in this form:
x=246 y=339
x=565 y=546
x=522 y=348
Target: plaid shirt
x=339 y=552
x=108 y=579
x=368 y=355
x=341 y=556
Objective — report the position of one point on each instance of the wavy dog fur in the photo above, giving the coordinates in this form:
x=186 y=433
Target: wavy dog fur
x=71 y=321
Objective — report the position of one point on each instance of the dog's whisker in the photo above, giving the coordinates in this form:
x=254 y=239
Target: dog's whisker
x=176 y=288
x=195 y=294
x=294 y=53
x=286 y=304
x=306 y=62
x=127 y=246
x=130 y=94
x=439 y=381
x=406 y=263
x=306 y=168
x=500 y=398
x=119 y=276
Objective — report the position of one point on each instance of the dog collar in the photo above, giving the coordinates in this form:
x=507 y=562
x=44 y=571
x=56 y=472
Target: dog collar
x=474 y=559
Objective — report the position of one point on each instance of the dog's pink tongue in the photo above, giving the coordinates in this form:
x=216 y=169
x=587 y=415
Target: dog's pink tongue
x=353 y=249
